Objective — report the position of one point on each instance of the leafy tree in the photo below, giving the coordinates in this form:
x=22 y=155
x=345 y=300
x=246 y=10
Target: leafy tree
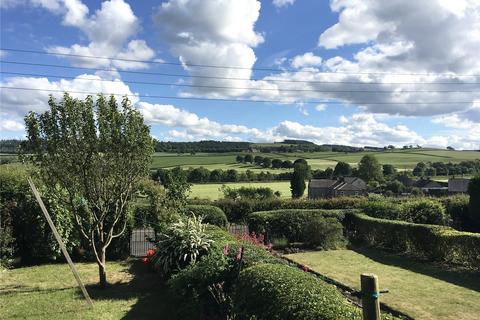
x=287 y=164
x=369 y=168
x=297 y=182
x=240 y=159
x=276 y=163
x=430 y=172
x=300 y=161
x=216 y=175
x=199 y=175
x=177 y=187
x=328 y=173
x=388 y=170
x=231 y=175
x=474 y=203
x=342 y=169
x=248 y=158
x=258 y=160
x=266 y=162
x=98 y=153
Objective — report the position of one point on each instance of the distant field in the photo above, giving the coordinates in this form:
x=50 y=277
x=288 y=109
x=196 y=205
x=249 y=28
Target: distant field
x=211 y=191
x=402 y=159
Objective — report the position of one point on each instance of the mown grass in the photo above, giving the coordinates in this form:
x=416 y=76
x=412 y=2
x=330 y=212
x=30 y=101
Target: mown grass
x=418 y=289
x=50 y=292
x=212 y=190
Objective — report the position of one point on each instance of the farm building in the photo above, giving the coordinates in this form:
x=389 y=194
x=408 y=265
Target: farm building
x=428 y=185
x=327 y=188
x=458 y=185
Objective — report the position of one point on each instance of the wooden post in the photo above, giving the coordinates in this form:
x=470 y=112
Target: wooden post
x=370 y=296
x=60 y=242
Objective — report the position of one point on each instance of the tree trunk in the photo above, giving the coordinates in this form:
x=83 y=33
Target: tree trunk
x=102 y=270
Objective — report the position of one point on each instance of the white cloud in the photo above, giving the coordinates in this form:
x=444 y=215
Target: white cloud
x=11 y=125
x=308 y=59
x=282 y=3
x=108 y=30
x=321 y=107
x=212 y=32
x=17 y=103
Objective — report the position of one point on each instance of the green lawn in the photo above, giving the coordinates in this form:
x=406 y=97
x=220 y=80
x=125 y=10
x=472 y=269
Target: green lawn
x=417 y=289
x=211 y=190
x=50 y=292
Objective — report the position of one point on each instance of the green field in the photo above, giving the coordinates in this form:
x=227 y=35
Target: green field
x=418 y=289
x=50 y=292
x=402 y=159
x=212 y=190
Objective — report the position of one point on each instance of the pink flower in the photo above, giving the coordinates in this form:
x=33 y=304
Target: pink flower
x=145 y=260
x=225 y=249
x=239 y=253
x=305 y=268
x=150 y=253
x=269 y=247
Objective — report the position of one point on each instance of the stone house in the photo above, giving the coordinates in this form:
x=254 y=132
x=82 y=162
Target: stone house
x=328 y=188
x=458 y=185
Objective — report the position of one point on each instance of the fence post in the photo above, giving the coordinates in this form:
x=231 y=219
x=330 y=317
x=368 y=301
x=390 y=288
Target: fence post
x=370 y=296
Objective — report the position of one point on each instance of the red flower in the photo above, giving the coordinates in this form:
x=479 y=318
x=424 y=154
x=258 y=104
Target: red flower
x=225 y=249
x=145 y=260
x=305 y=268
x=150 y=253
x=239 y=253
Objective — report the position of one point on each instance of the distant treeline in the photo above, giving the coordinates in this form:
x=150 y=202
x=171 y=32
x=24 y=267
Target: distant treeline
x=9 y=146
x=203 y=175
x=211 y=146
x=430 y=169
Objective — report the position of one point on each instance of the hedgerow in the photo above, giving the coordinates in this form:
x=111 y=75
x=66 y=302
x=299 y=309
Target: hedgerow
x=315 y=227
x=431 y=242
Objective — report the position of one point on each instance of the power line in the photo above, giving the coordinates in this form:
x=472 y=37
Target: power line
x=233 y=67
x=239 y=100
x=228 y=78
x=237 y=88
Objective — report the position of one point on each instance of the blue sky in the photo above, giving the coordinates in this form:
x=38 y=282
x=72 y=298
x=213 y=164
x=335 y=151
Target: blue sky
x=417 y=62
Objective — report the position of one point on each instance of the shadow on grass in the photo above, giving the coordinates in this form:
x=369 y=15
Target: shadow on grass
x=464 y=278
x=145 y=286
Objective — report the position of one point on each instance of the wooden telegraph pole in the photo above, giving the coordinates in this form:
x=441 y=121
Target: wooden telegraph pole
x=370 y=296
x=60 y=242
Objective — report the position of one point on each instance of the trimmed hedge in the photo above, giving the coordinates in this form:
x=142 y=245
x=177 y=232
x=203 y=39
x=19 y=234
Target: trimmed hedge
x=297 y=224
x=268 y=291
x=435 y=243
x=211 y=214
x=238 y=210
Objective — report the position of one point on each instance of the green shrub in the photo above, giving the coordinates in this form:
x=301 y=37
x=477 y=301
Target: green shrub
x=204 y=289
x=211 y=214
x=180 y=245
x=424 y=211
x=457 y=208
x=325 y=233
x=382 y=208
x=434 y=243
x=268 y=291
x=298 y=225
x=34 y=240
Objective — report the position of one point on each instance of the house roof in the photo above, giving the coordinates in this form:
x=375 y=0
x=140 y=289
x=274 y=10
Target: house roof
x=458 y=185
x=321 y=183
x=427 y=184
x=345 y=184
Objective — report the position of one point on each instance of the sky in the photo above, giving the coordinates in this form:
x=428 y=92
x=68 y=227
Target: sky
x=354 y=72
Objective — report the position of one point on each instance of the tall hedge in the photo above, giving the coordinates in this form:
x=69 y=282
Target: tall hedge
x=435 y=243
